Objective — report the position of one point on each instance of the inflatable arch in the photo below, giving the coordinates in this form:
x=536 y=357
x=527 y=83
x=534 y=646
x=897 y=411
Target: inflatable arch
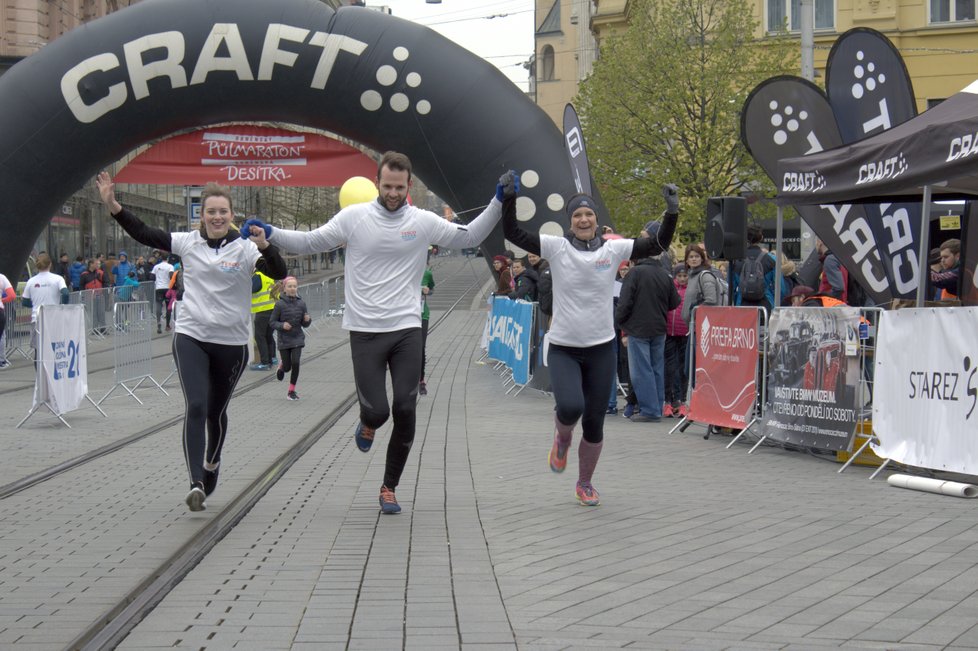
x=162 y=66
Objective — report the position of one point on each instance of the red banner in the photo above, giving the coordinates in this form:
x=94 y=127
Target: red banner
x=726 y=366
x=248 y=155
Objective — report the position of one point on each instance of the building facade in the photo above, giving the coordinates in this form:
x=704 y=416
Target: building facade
x=563 y=54
x=938 y=39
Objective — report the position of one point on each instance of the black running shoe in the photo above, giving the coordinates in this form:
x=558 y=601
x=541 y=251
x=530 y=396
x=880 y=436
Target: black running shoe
x=293 y=395
x=210 y=480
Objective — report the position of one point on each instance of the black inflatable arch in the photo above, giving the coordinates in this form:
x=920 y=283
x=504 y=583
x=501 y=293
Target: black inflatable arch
x=162 y=66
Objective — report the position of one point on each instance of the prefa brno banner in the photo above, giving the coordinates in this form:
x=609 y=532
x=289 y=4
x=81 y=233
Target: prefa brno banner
x=726 y=366
x=925 y=399
x=62 y=377
x=813 y=376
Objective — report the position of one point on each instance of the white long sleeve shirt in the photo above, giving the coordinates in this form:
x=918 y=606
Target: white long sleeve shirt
x=385 y=257
x=583 y=287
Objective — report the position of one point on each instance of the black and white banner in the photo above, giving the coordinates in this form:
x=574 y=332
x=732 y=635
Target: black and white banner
x=62 y=372
x=925 y=399
x=813 y=375
x=788 y=116
x=870 y=91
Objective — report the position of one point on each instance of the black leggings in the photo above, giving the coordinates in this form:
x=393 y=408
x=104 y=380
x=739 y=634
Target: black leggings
x=290 y=362
x=373 y=353
x=579 y=378
x=162 y=305
x=208 y=374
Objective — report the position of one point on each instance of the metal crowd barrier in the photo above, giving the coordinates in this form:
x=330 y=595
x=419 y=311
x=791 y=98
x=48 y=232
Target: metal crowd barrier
x=17 y=333
x=132 y=346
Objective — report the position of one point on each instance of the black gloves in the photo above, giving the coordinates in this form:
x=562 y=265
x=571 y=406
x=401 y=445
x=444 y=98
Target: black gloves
x=671 y=194
x=508 y=186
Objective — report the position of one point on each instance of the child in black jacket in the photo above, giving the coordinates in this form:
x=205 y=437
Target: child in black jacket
x=289 y=317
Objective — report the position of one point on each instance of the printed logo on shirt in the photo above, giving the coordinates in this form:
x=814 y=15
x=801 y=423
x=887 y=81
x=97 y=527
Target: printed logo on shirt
x=229 y=267
x=602 y=264
x=407 y=236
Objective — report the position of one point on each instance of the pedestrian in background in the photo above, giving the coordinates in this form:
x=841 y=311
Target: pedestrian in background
x=161 y=284
x=504 y=279
x=647 y=296
x=43 y=288
x=262 y=304
x=210 y=346
x=7 y=296
x=677 y=336
x=289 y=317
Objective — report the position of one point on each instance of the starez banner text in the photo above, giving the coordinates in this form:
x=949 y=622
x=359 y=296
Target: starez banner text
x=812 y=381
x=248 y=155
x=726 y=366
x=925 y=399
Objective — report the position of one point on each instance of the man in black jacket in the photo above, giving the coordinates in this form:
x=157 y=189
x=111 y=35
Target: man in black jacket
x=647 y=295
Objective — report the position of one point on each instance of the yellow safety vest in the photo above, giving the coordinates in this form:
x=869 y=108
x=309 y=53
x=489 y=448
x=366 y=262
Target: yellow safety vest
x=261 y=301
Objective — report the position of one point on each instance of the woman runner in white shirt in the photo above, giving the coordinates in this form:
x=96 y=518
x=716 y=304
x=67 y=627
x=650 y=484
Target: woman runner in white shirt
x=210 y=346
x=581 y=355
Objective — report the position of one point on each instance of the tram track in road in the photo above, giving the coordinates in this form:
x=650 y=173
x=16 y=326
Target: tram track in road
x=35 y=478
x=157 y=567
x=116 y=623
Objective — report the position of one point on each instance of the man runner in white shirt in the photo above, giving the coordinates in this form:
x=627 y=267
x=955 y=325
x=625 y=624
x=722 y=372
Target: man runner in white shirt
x=386 y=250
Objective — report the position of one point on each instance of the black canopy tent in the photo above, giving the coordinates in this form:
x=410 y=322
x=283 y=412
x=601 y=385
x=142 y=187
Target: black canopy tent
x=933 y=153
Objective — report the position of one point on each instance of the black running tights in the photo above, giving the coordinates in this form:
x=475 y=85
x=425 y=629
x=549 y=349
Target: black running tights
x=208 y=374
x=373 y=353
x=290 y=362
x=579 y=378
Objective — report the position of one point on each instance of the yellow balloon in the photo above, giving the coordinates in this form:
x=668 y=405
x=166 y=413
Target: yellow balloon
x=357 y=189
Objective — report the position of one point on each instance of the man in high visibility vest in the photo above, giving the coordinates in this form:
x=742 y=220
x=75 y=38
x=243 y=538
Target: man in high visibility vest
x=262 y=304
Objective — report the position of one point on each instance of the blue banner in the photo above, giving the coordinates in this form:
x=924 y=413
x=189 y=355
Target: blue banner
x=511 y=327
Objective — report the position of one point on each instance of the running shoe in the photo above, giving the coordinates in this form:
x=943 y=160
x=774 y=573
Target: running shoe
x=683 y=411
x=4 y=364
x=258 y=367
x=388 y=503
x=629 y=410
x=210 y=480
x=557 y=457
x=667 y=411
x=159 y=329
x=168 y=328
x=364 y=436
x=611 y=410
x=586 y=494
x=293 y=395
x=195 y=499
x=422 y=388
x=279 y=374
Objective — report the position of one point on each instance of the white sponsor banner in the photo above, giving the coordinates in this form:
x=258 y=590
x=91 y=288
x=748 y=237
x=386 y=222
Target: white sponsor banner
x=62 y=370
x=925 y=399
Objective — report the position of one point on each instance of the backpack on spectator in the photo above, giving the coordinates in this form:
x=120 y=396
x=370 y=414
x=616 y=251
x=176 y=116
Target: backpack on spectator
x=721 y=283
x=752 y=283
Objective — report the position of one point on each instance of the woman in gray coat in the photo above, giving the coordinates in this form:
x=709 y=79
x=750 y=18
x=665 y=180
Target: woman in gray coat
x=289 y=317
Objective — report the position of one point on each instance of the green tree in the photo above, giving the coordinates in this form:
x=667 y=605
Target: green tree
x=663 y=105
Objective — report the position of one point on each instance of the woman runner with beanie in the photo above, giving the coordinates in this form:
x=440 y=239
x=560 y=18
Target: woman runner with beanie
x=581 y=353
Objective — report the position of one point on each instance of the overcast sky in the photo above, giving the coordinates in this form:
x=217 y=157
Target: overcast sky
x=499 y=31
